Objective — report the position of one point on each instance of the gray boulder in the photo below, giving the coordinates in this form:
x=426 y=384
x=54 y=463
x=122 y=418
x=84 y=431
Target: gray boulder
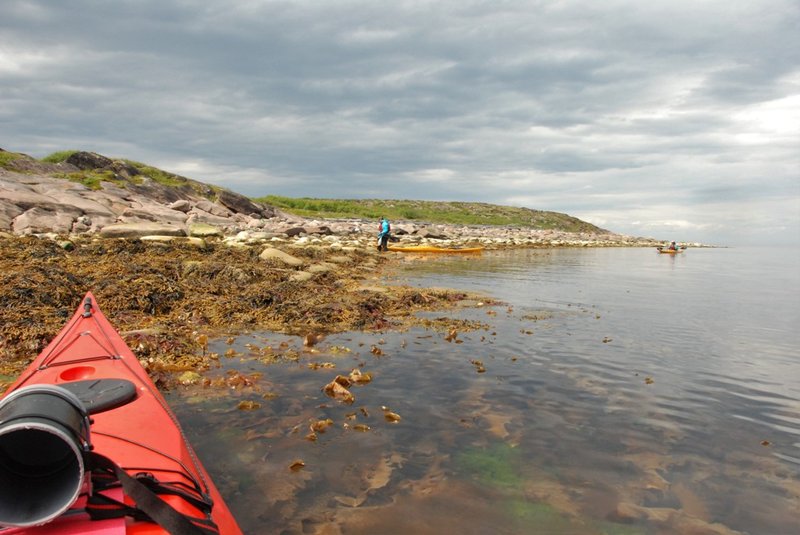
x=237 y=203
x=24 y=197
x=271 y=253
x=294 y=231
x=89 y=160
x=181 y=205
x=203 y=230
x=137 y=230
x=428 y=233
x=200 y=216
x=8 y=212
x=159 y=192
x=322 y=230
x=212 y=208
x=39 y=220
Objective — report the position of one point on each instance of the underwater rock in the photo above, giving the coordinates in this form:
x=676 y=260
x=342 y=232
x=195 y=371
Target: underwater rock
x=189 y=378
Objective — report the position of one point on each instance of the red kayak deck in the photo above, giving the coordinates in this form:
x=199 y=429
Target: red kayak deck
x=142 y=435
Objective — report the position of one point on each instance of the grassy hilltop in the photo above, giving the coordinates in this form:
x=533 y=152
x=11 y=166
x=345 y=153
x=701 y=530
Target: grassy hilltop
x=458 y=213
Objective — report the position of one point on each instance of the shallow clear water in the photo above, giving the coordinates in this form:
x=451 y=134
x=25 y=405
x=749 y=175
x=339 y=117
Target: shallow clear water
x=615 y=391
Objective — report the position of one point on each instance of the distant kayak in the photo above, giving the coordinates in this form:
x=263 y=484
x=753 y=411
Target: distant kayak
x=664 y=250
x=432 y=249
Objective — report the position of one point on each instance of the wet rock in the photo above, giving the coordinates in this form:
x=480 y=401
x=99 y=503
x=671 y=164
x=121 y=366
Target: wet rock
x=24 y=196
x=157 y=192
x=82 y=224
x=339 y=259
x=131 y=215
x=237 y=203
x=148 y=211
x=301 y=276
x=8 y=212
x=189 y=378
x=137 y=230
x=39 y=220
x=200 y=243
x=374 y=289
x=430 y=233
x=320 y=268
x=203 y=230
x=213 y=208
x=262 y=236
x=122 y=169
x=276 y=254
x=294 y=231
x=201 y=216
x=181 y=205
x=323 y=230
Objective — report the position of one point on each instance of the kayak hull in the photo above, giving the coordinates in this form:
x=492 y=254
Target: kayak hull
x=142 y=435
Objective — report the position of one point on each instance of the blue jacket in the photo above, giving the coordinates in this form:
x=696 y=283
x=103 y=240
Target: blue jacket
x=385 y=228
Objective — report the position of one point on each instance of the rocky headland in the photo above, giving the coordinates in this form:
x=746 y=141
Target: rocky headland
x=44 y=199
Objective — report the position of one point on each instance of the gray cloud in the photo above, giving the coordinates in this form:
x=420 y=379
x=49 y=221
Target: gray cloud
x=658 y=116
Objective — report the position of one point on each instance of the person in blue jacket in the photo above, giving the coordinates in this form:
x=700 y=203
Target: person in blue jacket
x=383 y=236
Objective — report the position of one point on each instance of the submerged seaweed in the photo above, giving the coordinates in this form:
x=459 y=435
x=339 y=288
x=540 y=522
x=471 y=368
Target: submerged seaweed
x=164 y=296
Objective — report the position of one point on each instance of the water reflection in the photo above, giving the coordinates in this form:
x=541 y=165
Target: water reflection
x=583 y=419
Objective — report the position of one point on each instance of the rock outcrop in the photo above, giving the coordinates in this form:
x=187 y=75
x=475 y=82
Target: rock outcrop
x=38 y=197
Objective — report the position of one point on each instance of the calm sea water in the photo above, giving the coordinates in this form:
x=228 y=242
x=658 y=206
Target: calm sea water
x=616 y=391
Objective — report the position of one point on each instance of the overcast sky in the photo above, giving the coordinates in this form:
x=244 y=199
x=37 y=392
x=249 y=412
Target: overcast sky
x=674 y=119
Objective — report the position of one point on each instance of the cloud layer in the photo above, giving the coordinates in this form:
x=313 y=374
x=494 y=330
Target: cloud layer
x=670 y=119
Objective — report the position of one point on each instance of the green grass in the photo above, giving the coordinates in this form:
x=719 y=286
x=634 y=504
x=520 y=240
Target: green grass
x=91 y=179
x=8 y=157
x=58 y=157
x=463 y=213
x=172 y=180
x=158 y=175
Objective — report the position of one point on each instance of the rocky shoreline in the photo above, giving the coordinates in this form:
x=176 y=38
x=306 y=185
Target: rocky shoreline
x=38 y=198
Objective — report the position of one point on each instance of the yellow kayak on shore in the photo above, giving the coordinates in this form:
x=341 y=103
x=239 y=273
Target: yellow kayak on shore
x=432 y=249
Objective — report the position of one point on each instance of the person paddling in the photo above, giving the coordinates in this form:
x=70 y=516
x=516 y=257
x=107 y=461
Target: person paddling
x=384 y=233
